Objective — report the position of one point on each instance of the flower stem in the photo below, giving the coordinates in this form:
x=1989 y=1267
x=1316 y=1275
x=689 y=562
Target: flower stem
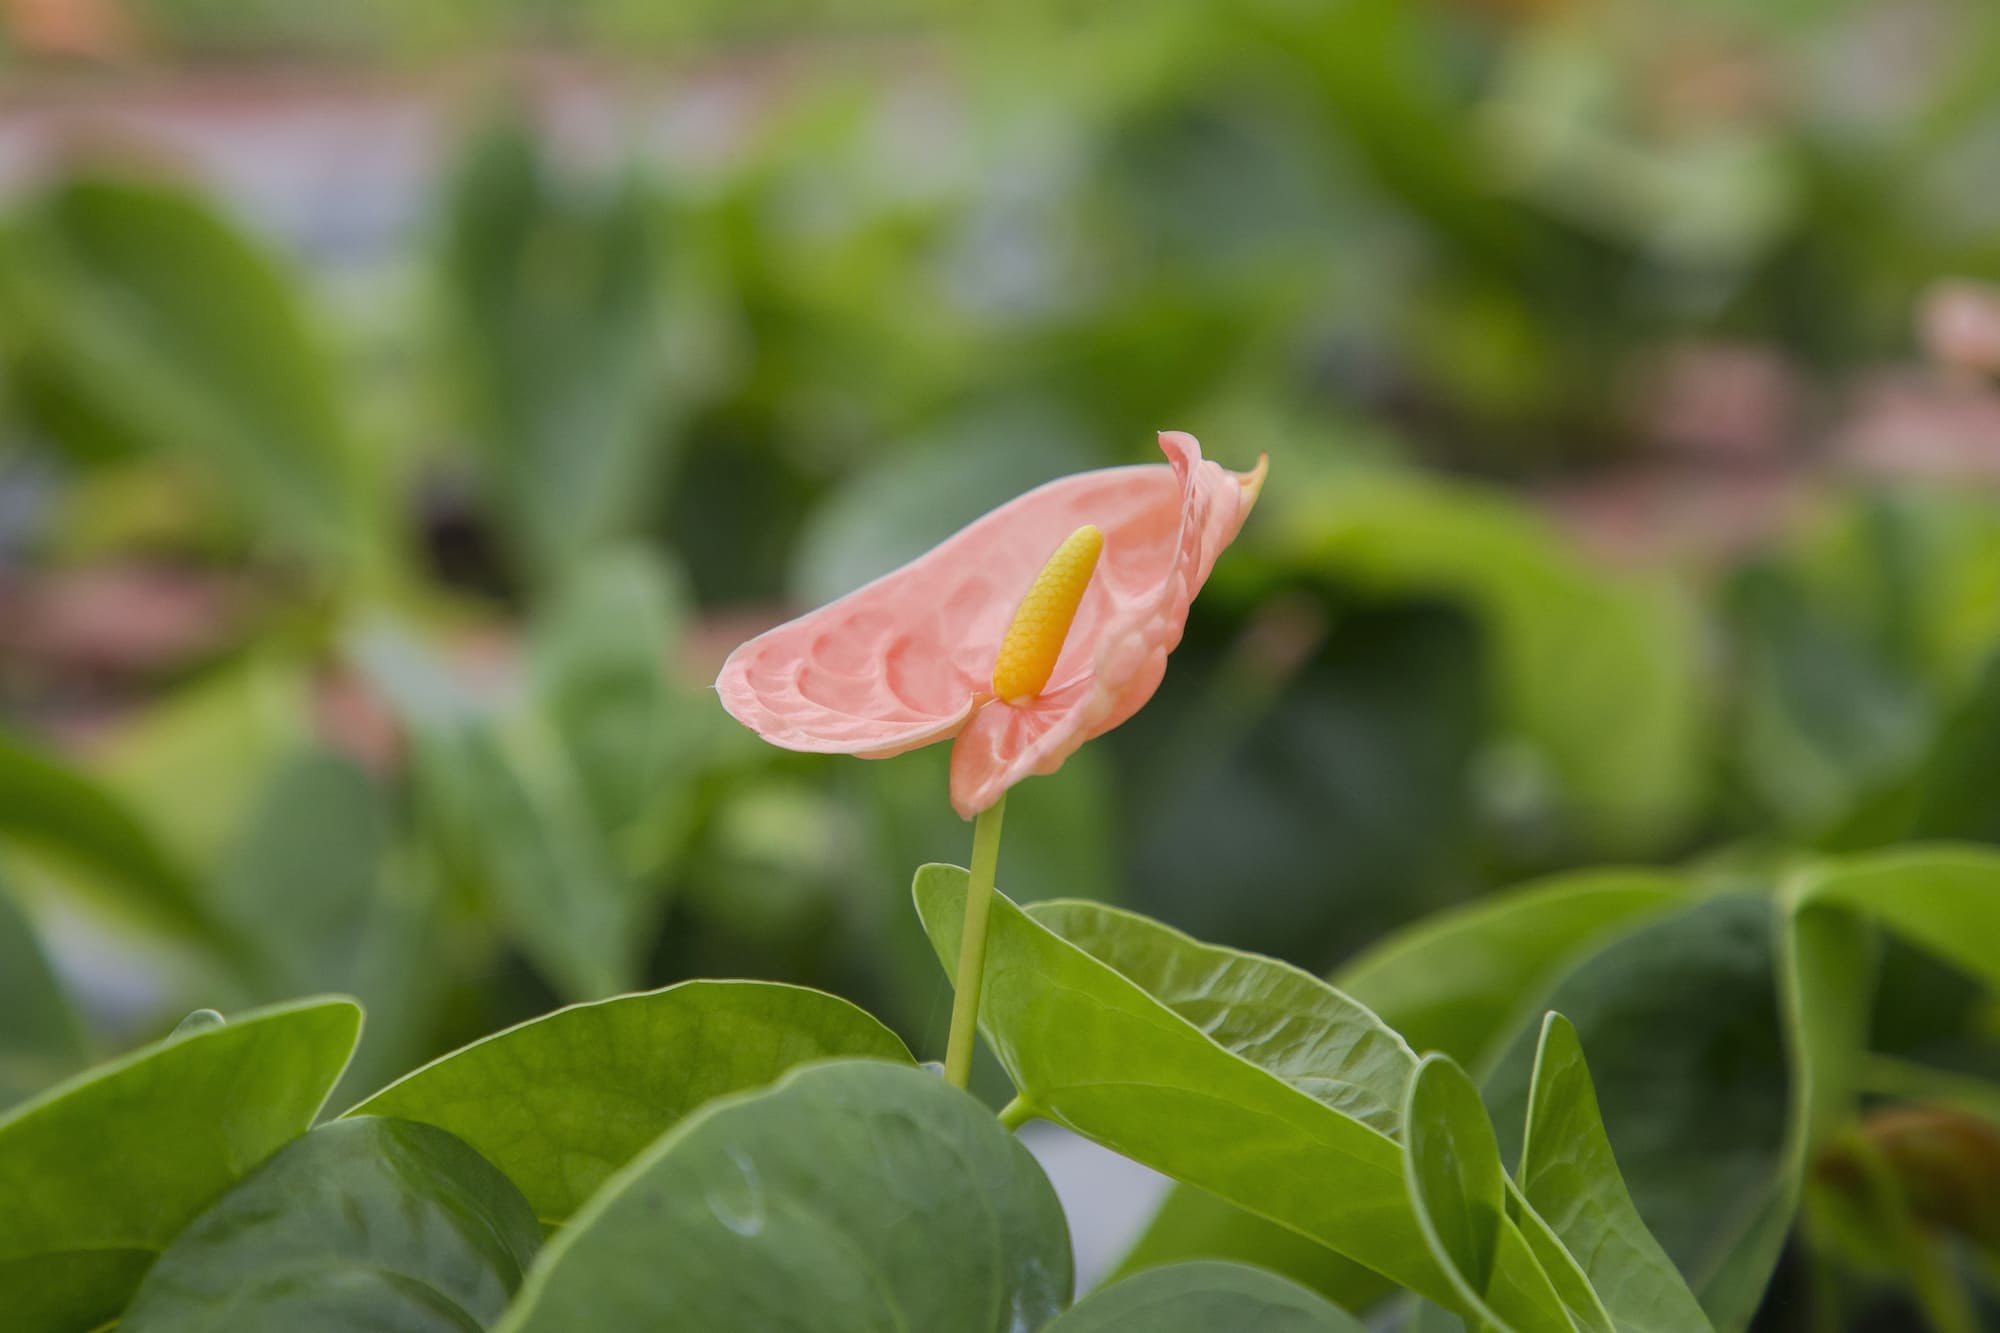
x=972 y=945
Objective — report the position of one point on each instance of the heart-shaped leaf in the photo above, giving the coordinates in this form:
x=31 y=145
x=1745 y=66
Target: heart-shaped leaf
x=1570 y=1177
x=563 y=1101
x=1244 y=1076
x=1204 y=1297
x=366 y=1223
x=101 y=1173
x=852 y=1197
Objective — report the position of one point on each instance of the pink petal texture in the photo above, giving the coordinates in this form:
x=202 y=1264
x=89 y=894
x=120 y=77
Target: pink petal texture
x=1148 y=586
x=908 y=659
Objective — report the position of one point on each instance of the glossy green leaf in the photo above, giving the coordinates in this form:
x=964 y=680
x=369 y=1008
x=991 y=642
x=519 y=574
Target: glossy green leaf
x=160 y=327
x=1240 y=1075
x=563 y=1101
x=377 y=1224
x=1945 y=899
x=1569 y=1175
x=1465 y=981
x=1204 y=1297
x=40 y=1038
x=853 y=1196
x=101 y=1173
x=1451 y=1162
x=59 y=812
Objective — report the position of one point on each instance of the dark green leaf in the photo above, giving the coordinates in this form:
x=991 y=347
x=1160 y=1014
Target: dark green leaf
x=360 y=1224
x=852 y=1196
x=101 y=1173
x=1692 y=1075
x=40 y=1038
x=1570 y=1177
x=1204 y=1298
x=562 y=1102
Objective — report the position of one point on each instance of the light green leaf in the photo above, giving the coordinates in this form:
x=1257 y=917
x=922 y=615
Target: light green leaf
x=1245 y=1102
x=1569 y=1175
x=160 y=327
x=61 y=813
x=1451 y=1162
x=562 y=1102
x=377 y=1224
x=1945 y=899
x=1204 y=1297
x=40 y=1038
x=1463 y=982
x=101 y=1173
x=852 y=1197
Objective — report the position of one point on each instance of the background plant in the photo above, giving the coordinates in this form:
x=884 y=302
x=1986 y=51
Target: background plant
x=396 y=546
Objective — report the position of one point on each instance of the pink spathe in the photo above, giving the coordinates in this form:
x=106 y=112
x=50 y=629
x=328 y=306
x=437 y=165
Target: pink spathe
x=908 y=659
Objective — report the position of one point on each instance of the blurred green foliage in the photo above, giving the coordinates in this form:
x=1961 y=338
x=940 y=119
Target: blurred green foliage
x=452 y=750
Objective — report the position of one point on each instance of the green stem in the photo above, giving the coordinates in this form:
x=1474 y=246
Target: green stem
x=972 y=945
x=1017 y=1113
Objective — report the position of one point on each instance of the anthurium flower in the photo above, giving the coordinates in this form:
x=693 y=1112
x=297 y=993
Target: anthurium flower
x=1041 y=625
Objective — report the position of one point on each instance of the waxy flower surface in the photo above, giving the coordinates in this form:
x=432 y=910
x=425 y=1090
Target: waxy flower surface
x=1041 y=625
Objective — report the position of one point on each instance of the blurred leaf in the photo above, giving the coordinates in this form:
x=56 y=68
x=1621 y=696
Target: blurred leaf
x=1209 y=1076
x=563 y=1102
x=1464 y=982
x=1570 y=1177
x=1826 y=716
x=316 y=882
x=601 y=677
x=1944 y=899
x=1249 y=763
x=1194 y=1225
x=758 y=1213
x=40 y=1037
x=370 y=1223
x=101 y=1173
x=1451 y=1161
x=63 y=814
x=512 y=819
x=156 y=326
x=1597 y=671
x=1202 y=1298
x=556 y=305
x=900 y=507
